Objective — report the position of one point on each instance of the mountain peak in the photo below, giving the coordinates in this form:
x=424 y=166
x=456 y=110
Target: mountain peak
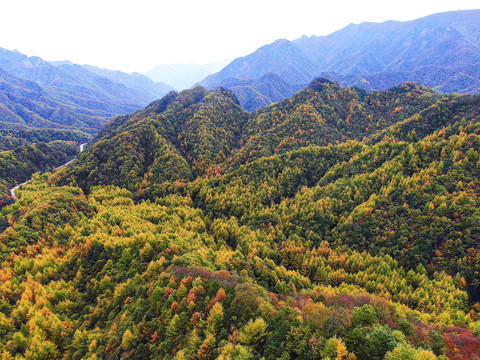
x=88 y=94
x=322 y=81
x=281 y=42
x=441 y=51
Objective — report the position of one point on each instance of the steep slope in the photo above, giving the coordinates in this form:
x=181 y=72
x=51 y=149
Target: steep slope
x=256 y=94
x=144 y=85
x=210 y=132
x=282 y=57
x=27 y=103
x=37 y=93
x=409 y=191
x=322 y=247
x=447 y=80
x=325 y=113
x=179 y=136
x=441 y=51
x=448 y=40
x=192 y=141
x=13 y=136
x=18 y=165
x=29 y=113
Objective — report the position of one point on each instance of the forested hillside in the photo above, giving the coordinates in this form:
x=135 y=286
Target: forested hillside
x=178 y=137
x=335 y=224
x=13 y=136
x=18 y=165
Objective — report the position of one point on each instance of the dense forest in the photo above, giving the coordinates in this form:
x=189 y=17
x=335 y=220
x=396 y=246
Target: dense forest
x=336 y=224
x=12 y=137
x=18 y=165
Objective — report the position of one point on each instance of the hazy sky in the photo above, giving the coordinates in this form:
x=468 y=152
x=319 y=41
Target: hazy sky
x=135 y=35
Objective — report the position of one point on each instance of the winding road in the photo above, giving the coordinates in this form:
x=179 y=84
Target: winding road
x=12 y=190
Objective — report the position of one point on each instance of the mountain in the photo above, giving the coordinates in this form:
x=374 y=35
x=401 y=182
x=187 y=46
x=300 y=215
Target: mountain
x=184 y=76
x=38 y=93
x=205 y=129
x=446 y=80
x=12 y=136
x=190 y=131
x=18 y=165
x=46 y=109
x=27 y=103
x=441 y=51
x=282 y=57
x=336 y=224
x=199 y=134
x=141 y=83
x=258 y=93
x=448 y=40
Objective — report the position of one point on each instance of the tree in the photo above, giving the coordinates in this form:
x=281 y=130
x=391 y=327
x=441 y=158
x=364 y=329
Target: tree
x=127 y=339
x=253 y=333
x=364 y=315
x=336 y=349
x=406 y=352
x=215 y=319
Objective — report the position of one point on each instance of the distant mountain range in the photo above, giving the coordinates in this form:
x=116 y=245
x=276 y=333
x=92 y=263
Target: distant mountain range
x=261 y=92
x=441 y=51
x=37 y=93
x=184 y=76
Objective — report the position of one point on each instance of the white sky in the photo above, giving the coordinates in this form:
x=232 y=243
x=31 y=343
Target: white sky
x=136 y=35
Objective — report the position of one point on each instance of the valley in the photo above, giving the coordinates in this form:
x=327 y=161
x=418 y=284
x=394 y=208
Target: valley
x=193 y=229
x=12 y=190
x=318 y=198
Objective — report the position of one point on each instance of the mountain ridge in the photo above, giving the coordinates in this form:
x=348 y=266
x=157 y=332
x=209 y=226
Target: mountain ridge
x=76 y=91
x=337 y=223
x=355 y=214
x=441 y=51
